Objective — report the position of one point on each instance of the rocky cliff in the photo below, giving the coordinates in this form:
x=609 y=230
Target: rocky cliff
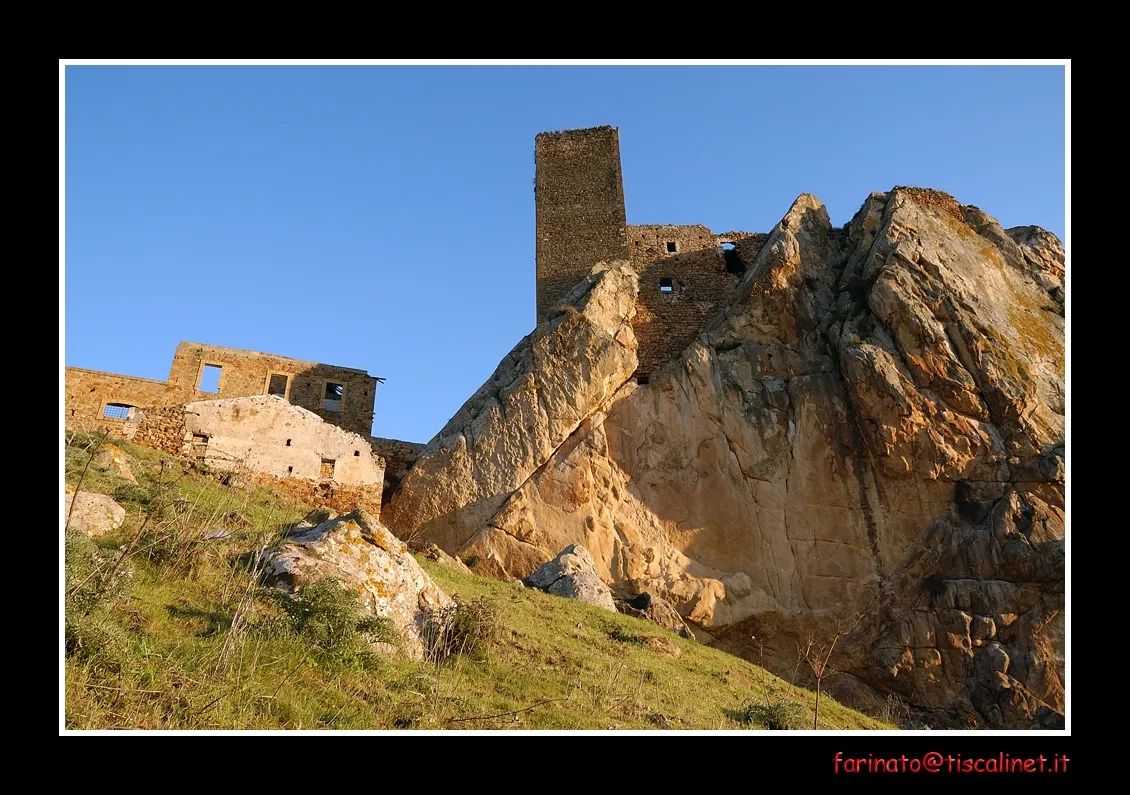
x=867 y=441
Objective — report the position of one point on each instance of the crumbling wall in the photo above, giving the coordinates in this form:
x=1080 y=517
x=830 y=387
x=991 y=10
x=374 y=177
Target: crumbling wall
x=677 y=296
x=162 y=428
x=398 y=455
x=88 y=392
x=245 y=373
x=579 y=201
x=265 y=434
x=685 y=277
x=652 y=242
x=327 y=494
x=242 y=373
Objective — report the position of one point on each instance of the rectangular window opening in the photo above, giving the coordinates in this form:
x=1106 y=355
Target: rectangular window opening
x=333 y=396
x=210 y=379
x=199 y=445
x=357 y=453
x=288 y=442
x=671 y=247
x=117 y=411
x=327 y=469
x=290 y=470
x=277 y=385
x=666 y=285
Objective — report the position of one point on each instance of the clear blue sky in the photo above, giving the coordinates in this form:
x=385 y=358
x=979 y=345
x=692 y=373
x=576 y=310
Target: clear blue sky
x=382 y=217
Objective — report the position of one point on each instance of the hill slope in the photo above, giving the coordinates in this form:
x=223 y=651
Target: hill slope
x=179 y=636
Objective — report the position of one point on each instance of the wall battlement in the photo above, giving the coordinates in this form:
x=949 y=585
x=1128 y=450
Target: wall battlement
x=686 y=271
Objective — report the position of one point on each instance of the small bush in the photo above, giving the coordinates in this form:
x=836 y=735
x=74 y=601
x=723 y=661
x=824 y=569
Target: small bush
x=327 y=615
x=89 y=576
x=781 y=714
x=92 y=586
x=96 y=641
x=174 y=550
x=461 y=628
x=621 y=635
x=143 y=496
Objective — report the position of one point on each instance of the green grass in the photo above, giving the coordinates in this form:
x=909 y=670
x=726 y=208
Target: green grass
x=186 y=639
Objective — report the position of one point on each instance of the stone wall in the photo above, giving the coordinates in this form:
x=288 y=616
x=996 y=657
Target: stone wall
x=579 y=201
x=685 y=275
x=88 y=392
x=335 y=496
x=265 y=434
x=685 y=278
x=399 y=457
x=242 y=373
x=162 y=428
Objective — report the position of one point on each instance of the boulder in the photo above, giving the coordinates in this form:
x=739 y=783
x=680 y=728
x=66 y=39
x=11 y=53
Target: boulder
x=437 y=555
x=113 y=458
x=654 y=608
x=364 y=556
x=572 y=575
x=94 y=514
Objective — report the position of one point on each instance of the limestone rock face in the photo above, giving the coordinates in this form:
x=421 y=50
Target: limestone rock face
x=94 y=514
x=364 y=556
x=572 y=575
x=868 y=438
x=544 y=388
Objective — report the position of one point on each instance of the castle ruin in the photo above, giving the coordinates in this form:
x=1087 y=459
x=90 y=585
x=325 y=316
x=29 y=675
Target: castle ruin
x=686 y=271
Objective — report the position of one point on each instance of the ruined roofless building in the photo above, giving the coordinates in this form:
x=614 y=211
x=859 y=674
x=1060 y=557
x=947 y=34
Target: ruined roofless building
x=686 y=271
x=342 y=396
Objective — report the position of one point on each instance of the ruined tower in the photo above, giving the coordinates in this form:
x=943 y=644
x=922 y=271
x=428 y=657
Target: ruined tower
x=579 y=198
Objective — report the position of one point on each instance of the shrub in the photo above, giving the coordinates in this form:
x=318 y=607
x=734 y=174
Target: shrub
x=93 y=584
x=173 y=550
x=144 y=496
x=781 y=714
x=461 y=628
x=621 y=635
x=89 y=575
x=328 y=616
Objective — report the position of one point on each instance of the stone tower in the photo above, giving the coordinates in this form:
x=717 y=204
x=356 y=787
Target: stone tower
x=579 y=196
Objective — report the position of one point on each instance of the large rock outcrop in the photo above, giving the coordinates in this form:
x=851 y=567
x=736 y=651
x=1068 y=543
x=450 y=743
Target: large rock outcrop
x=545 y=387
x=364 y=556
x=868 y=439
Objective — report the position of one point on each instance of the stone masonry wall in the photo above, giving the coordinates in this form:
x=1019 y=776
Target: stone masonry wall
x=328 y=495
x=399 y=456
x=579 y=206
x=246 y=373
x=242 y=374
x=666 y=322
x=87 y=393
x=697 y=278
x=162 y=429
x=581 y=221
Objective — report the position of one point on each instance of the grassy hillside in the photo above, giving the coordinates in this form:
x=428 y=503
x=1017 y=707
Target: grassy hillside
x=166 y=629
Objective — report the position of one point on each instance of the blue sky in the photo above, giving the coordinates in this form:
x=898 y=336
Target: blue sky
x=382 y=217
